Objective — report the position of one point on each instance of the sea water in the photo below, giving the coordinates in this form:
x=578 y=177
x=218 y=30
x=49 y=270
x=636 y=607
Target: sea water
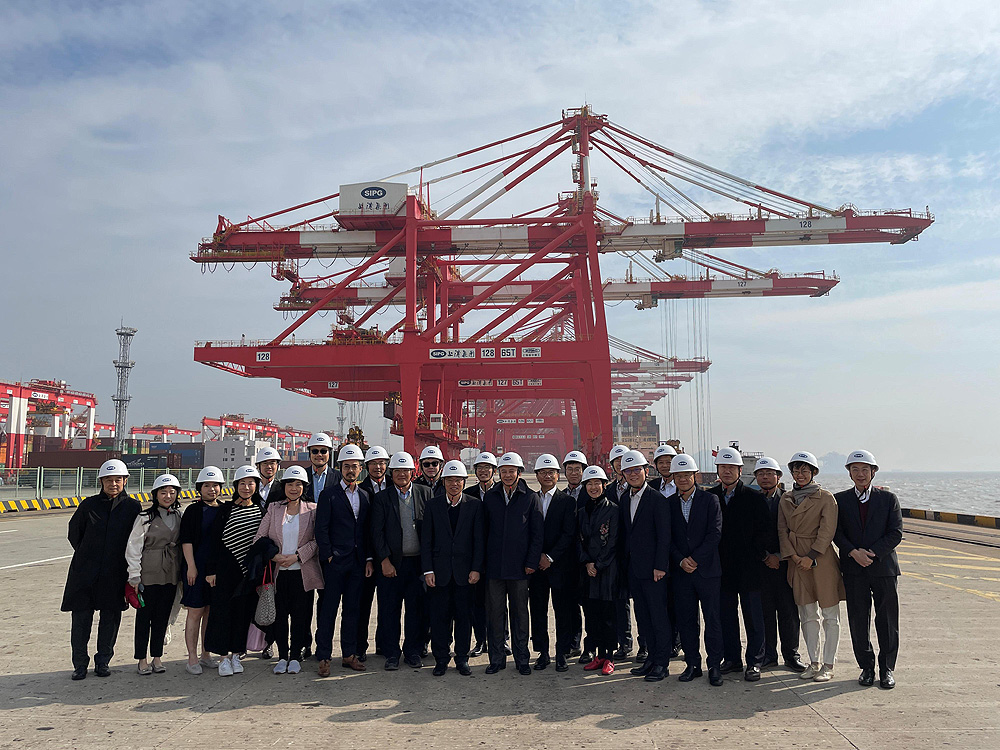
x=956 y=492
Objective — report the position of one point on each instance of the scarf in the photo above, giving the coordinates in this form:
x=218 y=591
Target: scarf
x=801 y=493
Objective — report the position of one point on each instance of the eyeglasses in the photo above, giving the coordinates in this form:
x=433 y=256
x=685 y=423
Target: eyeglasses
x=319 y=451
x=634 y=470
x=430 y=464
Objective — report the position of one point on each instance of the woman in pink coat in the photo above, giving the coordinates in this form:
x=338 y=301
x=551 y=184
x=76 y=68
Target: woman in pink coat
x=291 y=526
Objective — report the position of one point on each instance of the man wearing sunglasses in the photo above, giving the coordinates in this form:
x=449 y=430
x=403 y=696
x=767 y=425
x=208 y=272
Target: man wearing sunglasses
x=320 y=474
x=431 y=461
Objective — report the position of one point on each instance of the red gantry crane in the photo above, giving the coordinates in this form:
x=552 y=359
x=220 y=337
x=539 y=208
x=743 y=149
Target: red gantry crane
x=441 y=310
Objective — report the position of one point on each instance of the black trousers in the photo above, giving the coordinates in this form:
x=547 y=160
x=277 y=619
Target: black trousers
x=107 y=634
x=731 y=602
x=502 y=597
x=564 y=602
x=229 y=622
x=623 y=624
x=862 y=592
x=479 y=619
x=293 y=604
x=689 y=590
x=451 y=610
x=342 y=583
x=651 y=617
x=407 y=587
x=368 y=587
x=151 y=620
x=601 y=623
x=781 y=616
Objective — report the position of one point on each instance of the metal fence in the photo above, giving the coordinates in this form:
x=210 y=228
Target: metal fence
x=36 y=484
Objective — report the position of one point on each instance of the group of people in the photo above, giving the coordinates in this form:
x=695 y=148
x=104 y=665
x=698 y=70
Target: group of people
x=467 y=570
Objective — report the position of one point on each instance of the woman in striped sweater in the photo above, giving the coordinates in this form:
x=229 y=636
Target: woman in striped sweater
x=234 y=603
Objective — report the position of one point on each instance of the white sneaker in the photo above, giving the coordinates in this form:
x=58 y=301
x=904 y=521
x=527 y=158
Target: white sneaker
x=193 y=668
x=235 y=661
x=811 y=671
x=211 y=662
x=281 y=667
x=825 y=674
x=294 y=667
x=225 y=668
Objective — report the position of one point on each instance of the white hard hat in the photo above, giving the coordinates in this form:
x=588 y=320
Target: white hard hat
x=861 y=457
x=511 y=459
x=376 y=452
x=113 y=468
x=576 y=456
x=431 y=451
x=729 y=457
x=546 y=461
x=321 y=439
x=485 y=458
x=266 y=454
x=632 y=459
x=594 y=472
x=682 y=462
x=454 y=469
x=350 y=452
x=804 y=457
x=767 y=463
x=165 y=480
x=617 y=452
x=210 y=474
x=401 y=460
x=246 y=471
x=294 y=472
x=663 y=450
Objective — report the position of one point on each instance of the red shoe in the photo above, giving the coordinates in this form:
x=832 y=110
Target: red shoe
x=596 y=664
x=609 y=667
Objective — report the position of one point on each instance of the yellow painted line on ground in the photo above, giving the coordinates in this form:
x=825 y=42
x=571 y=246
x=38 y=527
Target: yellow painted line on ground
x=992 y=596
x=995 y=568
x=939 y=549
x=964 y=578
x=908 y=555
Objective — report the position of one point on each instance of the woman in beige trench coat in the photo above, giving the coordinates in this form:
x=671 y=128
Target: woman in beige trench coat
x=807 y=521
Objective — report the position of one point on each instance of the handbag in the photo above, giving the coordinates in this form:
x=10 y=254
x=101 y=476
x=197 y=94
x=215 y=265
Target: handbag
x=266 y=612
x=256 y=640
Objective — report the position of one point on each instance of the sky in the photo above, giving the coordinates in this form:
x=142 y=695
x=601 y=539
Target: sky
x=127 y=128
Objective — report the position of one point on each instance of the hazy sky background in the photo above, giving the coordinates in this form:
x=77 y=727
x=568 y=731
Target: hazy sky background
x=126 y=128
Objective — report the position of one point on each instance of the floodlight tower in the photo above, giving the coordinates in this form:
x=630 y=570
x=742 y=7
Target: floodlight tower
x=123 y=365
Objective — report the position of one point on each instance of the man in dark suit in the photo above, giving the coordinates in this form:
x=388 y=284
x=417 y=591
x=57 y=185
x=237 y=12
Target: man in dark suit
x=869 y=527
x=514 y=532
x=431 y=461
x=696 y=530
x=558 y=567
x=452 y=555
x=376 y=468
x=485 y=467
x=645 y=525
x=617 y=488
x=397 y=515
x=742 y=550
x=342 y=538
x=781 y=616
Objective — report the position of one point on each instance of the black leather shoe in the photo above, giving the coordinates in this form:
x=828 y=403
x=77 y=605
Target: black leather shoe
x=643 y=669
x=478 y=650
x=463 y=668
x=867 y=677
x=641 y=655
x=561 y=665
x=101 y=670
x=752 y=674
x=392 y=664
x=620 y=655
x=80 y=673
x=692 y=672
x=772 y=662
x=413 y=661
x=656 y=674
x=439 y=670
x=363 y=658
x=586 y=657
x=715 y=677
x=796 y=664
x=494 y=668
x=378 y=652
x=267 y=653
x=886 y=681
x=543 y=661
x=728 y=667
x=507 y=651
x=524 y=669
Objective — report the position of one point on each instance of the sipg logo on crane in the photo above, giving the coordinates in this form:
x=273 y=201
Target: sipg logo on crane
x=373 y=193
